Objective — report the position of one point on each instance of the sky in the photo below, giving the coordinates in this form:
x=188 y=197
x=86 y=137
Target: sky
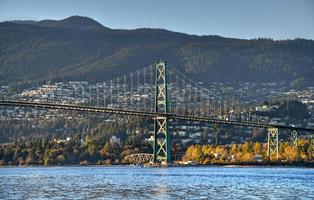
x=247 y=19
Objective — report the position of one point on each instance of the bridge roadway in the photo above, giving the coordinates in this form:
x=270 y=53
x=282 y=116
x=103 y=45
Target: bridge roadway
x=145 y=114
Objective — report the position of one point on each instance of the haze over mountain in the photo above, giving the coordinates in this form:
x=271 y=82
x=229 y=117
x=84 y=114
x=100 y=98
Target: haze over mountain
x=79 y=48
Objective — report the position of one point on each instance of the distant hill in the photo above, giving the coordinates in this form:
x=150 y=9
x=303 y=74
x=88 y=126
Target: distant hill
x=74 y=22
x=290 y=109
x=79 y=48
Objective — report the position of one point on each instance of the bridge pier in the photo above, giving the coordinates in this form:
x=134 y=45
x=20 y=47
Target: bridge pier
x=272 y=143
x=294 y=139
x=161 y=145
x=162 y=141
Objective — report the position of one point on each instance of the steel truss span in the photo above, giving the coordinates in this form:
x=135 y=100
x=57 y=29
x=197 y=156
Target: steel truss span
x=140 y=158
x=145 y=114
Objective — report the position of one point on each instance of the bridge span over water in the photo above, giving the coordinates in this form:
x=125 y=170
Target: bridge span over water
x=152 y=92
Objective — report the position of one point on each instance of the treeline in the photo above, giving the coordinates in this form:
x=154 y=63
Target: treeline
x=45 y=148
x=249 y=152
x=73 y=152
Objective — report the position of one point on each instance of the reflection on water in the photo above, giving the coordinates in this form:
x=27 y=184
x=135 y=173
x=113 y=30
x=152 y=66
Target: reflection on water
x=156 y=183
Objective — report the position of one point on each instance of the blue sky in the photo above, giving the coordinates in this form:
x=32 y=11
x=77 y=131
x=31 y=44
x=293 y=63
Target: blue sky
x=278 y=19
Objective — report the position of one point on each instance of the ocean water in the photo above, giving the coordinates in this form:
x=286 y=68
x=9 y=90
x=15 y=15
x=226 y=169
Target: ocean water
x=123 y=182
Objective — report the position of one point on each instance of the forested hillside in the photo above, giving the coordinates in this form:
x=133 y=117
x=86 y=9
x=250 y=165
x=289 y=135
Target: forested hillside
x=79 y=48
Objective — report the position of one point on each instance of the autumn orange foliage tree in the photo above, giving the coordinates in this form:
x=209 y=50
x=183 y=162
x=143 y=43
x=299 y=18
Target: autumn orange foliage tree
x=247 y=152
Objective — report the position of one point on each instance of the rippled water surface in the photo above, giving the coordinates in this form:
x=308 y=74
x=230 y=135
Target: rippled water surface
x=156 y=183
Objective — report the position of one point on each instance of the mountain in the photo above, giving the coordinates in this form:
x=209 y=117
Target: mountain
x=80 y=48
x=74 y=22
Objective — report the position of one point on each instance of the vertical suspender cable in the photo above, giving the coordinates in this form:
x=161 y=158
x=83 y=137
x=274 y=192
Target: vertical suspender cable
x=138 y=90
x=131 y=92
x=83 y=95
x=125 y=90
x=90 y=95
x=118 y=93
x=111 y=101
x=104 y=87
x=97 y=94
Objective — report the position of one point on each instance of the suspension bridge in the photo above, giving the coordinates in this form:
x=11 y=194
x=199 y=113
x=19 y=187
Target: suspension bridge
x=156 y=91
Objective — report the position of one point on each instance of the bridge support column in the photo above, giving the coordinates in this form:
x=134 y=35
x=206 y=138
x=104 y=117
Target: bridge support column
x=161 y=141
x=161 y=145
x=272 y=144
x=294 y=139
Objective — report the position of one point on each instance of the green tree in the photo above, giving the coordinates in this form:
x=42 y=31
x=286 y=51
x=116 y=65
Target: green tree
x=91 y=148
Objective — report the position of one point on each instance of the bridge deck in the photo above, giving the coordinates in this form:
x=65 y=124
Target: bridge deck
x=145 y=114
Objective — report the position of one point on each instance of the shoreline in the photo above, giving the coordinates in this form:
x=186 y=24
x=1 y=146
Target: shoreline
x=228 y=165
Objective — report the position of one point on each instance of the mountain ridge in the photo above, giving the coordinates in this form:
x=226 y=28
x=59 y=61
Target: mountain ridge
x=80 y=48
x=43 y=23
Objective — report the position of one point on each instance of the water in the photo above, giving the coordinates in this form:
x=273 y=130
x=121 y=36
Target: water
x=156 y=183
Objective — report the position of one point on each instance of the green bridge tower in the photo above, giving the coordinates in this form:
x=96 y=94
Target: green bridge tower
x=161 y=147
